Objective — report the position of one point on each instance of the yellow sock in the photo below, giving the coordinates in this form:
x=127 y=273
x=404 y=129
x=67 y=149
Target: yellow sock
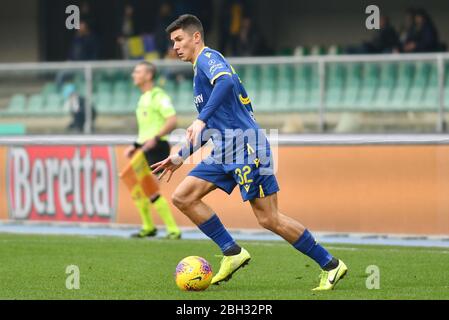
x=143 y=206
x=163 y=209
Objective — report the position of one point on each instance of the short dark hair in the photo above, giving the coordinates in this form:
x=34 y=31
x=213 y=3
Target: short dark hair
x=187 y=22
x=151 y=68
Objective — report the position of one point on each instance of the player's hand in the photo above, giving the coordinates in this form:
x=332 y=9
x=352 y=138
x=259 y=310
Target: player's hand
x=129 y=152
x=194 y=132
x=169 y=165
x=149 y=144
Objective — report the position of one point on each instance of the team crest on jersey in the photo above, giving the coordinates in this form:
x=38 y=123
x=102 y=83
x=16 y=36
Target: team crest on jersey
x=207 y=54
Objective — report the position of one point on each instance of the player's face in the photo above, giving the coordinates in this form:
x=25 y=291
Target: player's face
x=140 y=75
x=185 y=43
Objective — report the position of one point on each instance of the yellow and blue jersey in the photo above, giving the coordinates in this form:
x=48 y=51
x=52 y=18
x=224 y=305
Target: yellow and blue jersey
x=241 y=154
x=236 y=111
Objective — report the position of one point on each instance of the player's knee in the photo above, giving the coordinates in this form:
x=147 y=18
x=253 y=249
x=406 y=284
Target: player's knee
x=177 y=200
x=181 y=201
x=269 y=222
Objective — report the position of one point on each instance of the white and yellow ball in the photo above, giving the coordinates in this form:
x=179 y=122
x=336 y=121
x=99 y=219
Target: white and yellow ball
x=193 y=274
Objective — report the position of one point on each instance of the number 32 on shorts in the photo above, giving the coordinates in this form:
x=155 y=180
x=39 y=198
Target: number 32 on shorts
x=243 y=175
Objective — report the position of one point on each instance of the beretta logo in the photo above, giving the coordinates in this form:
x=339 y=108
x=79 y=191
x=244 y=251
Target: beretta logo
x=61 y=183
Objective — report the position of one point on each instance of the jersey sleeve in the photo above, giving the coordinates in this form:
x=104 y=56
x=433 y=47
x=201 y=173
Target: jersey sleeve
x=164 y=105
x=213 y=66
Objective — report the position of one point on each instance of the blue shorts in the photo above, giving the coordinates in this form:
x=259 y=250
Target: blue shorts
x=255 y=179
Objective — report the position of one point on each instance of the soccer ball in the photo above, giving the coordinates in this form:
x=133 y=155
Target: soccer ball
x=193 y=274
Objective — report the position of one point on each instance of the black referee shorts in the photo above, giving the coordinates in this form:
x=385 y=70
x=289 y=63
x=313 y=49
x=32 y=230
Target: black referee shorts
x=158 y=153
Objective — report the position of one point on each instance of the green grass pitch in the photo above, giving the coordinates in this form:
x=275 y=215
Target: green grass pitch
x=34 y=266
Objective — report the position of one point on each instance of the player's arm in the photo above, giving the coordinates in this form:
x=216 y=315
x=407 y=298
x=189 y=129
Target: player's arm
x=191 y=148
x=174 y=161
x=223 y=88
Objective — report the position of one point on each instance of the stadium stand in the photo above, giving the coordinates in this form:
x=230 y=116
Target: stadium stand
x=387 y=87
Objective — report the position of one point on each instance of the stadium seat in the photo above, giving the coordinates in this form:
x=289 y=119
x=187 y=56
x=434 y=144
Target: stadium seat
x=133 y=101
x=317 y=50
x=353 y=86
x=388 y=73
x=418 y=87
x=446 y=85
x=121 y=87
x=170 y=87
x=251 y=81
x=119 y=103
x=104 y=87
x=53 y=104
x=16 y=105
x=301 y=87
x=102 y=102
x=431 y=94
x=35 y=104
x=49 y=88
x=334 y=86
x=370 y=86
x=267 y=88
x=284 y=87
x=184 y=102
x=401 y=91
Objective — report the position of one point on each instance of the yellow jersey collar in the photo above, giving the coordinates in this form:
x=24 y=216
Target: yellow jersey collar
x=196 y=59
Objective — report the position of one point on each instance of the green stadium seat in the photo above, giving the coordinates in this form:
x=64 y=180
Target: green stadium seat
x=446 y=97
x=431 y=94
x=388 y=74
x=334 y=50
x=284 y=87
x=301 y=51
x=266 y=97
x=49 y=88
x=16 y=105
x=184 y=103
x=335 y=77
x=403 y=85
x=121 y=87
x=170 y=87
x=54 y=104
x=419 y=85
x=353 y=86
x=120 y=103
x=133 y=100
x=35 y=104
x=305 y=79
x=104 y=87
x=317 y=50
x=102 y=102
x=251 y=81
x=239 y=70
x=370 y=86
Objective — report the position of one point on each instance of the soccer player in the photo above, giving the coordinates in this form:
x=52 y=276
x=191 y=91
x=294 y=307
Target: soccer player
x=156 y=118
x=224 y=106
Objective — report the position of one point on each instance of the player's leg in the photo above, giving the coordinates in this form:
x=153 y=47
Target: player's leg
x=162 y=207
x=188 y=198
x=269 y=217
x=158 y=201
x=143 y=207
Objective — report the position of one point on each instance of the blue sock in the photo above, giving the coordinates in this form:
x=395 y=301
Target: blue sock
x=214 y=229
x=308 y=245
